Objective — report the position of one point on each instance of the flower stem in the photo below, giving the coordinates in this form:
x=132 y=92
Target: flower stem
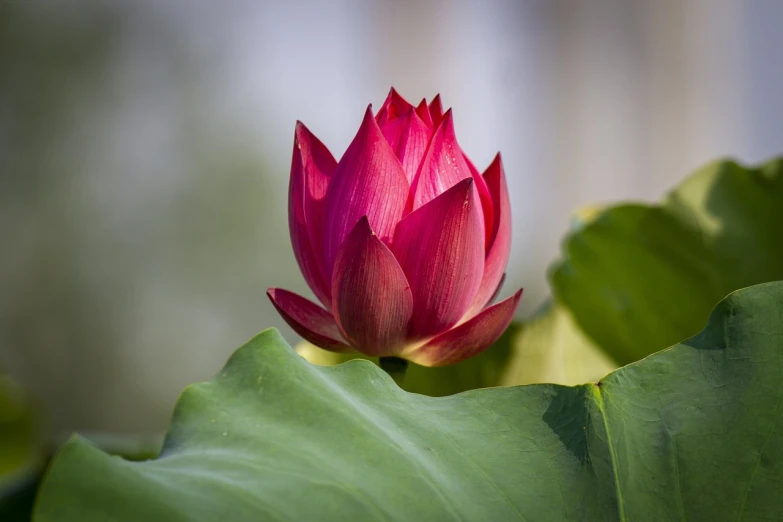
x=395 y=367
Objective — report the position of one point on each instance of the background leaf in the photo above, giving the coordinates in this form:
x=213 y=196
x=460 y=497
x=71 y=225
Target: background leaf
x=549 y=347
x=21 y=456
x=638 y=278
x=693 y=432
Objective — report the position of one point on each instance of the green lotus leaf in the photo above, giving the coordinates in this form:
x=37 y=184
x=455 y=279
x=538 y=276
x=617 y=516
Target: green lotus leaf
x=639 y=278
x=691 y=433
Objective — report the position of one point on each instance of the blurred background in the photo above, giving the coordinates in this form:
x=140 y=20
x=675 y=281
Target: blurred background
x=145 y=149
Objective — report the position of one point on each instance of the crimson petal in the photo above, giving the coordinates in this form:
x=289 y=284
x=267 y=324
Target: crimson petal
x=311 y=168
x=500 y=238
x=485 y=196
x=469 y=338
x=424 y=113
x=372 y=298
x=441 y=250
x=368 y=181
x=436 y=111
x=394 y=107
x=409 y=137
x=443 y=166
x=308 y=319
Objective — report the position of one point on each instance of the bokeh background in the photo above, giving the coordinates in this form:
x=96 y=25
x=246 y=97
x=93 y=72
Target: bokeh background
x=145 y=149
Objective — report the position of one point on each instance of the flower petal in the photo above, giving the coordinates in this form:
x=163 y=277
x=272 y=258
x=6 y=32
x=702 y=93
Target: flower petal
x=311 y=168
x=440 y=248
x=500 y=237
x=394 y=107
x=404 y=130
x=469 y=338
x=372 y=298
x=443 y=165
x=486 y=201
x=436 y=111
x=368 y=181
x=424 y=113
x=308 y=319
x=495 y=178
x=409 y=137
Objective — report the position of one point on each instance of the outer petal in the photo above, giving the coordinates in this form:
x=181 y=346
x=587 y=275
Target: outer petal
x=372 y=298
x=311 y=168
x=441 y=250
x=436 y=111
x=368 y=181
x=308 y=319
x=500 y=245
x=468 y=339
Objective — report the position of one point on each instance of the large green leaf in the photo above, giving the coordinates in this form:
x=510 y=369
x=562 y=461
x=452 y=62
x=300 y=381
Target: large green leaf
x=693 y=432
x=638 y=278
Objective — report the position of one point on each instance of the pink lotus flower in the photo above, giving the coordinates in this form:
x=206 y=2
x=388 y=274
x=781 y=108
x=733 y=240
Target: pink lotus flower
x=402 y=240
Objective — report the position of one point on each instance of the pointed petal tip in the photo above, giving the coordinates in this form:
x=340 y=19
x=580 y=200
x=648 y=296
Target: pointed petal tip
x=461 y=190
x=396 y=97
x=368 y=127
x=466 y=186
x=423 y=111
x=493 y=175
x=445 y=125
x=436 y=106
x=304 y=135
x=436 y=110
x=495 y=169
x=364 y=225
x=299 y=128
x=393 y=107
